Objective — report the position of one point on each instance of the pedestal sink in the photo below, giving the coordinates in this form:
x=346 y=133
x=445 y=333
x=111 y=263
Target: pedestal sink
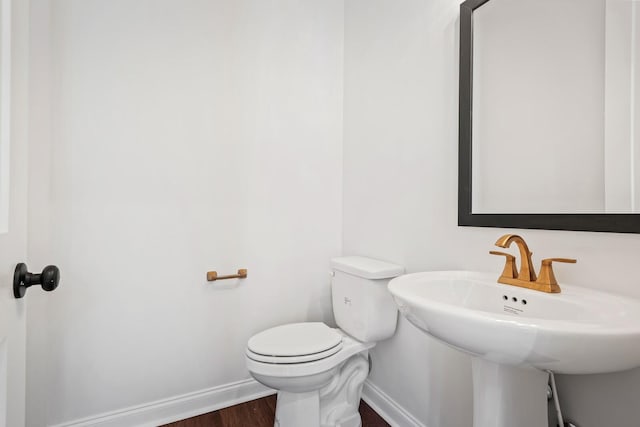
x=516 y=335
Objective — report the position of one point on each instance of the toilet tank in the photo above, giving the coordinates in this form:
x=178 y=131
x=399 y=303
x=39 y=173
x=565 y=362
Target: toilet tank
x=362 y=305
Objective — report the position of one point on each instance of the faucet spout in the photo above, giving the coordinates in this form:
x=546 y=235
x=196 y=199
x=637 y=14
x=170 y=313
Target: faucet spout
x=527 y=273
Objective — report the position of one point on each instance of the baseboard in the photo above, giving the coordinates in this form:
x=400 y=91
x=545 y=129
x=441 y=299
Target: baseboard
x=200 y=402
x=388 y=408
x=177 y=408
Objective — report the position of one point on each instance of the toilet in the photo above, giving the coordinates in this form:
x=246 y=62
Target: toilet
x=319 y=371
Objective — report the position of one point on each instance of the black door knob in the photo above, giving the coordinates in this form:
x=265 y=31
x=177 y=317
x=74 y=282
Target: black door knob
x=22 y=279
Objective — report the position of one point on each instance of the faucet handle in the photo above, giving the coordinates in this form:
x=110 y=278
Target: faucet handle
x=510 y=271
x=547 y=278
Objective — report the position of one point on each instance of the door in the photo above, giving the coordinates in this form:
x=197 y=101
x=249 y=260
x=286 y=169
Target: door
x=13 y=206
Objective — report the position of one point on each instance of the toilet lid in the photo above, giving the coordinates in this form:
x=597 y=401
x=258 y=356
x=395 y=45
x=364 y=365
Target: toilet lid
x=296 y=339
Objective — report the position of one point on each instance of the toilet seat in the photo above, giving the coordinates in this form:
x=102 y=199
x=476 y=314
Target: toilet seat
x=349 y=347
x=294 y=343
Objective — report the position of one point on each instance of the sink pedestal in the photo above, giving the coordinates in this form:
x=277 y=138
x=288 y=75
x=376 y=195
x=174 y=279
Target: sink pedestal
x=507 y=396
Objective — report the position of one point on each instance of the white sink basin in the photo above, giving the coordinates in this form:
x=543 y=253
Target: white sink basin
x=579 y=331
x=513 y=330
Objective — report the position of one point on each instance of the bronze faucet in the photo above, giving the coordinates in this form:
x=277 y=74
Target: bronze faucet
x=527 y=276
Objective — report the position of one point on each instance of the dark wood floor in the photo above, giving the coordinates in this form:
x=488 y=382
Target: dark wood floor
x=261 y=413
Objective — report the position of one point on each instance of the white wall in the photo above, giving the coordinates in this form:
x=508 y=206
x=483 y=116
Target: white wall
x=169 y=138
x=400 y=204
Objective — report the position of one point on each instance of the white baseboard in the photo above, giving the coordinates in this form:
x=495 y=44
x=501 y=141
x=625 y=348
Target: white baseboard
x=388 y=408
x=177 y=408
x=200 y=402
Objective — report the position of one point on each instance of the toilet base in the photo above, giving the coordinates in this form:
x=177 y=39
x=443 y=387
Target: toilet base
x=334 y=405
x=351 y=421
x=297 y=409
x=302 y=409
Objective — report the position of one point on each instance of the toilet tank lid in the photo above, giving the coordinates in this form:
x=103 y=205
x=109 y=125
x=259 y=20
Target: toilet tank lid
x=367 y=268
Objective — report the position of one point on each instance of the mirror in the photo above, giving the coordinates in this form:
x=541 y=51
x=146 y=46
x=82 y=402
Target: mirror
x=548 y=107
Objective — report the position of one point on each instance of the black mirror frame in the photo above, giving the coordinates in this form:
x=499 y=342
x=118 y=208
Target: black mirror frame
x=617 y=223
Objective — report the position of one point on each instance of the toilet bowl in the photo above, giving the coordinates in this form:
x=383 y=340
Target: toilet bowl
x=320 y=388
x=319 y=371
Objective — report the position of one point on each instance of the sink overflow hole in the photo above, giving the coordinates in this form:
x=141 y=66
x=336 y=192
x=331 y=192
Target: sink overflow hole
x=514 y=299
